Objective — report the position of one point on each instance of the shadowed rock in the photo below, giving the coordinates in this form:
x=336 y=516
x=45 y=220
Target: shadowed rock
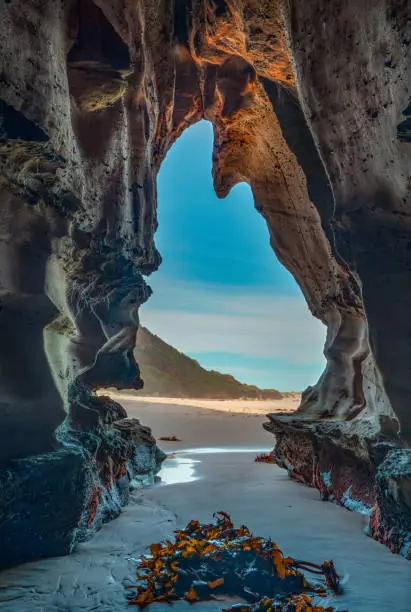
x=93 y=94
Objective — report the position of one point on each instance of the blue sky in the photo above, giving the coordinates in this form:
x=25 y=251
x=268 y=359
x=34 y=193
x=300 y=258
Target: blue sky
x=220 y=295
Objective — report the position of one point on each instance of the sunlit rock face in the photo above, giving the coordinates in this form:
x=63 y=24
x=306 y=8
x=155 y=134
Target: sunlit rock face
x=310 y=106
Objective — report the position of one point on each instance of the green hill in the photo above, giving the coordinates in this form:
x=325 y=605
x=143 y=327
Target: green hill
x=167 y=372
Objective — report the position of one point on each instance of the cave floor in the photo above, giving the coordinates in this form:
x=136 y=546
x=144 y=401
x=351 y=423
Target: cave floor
x=200 y=483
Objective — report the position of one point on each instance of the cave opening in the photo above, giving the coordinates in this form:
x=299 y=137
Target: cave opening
x=222 y=304
x=92 y=93
x=221 y=296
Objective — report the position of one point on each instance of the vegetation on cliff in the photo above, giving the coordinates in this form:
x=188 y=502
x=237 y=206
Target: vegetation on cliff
x=167 y=372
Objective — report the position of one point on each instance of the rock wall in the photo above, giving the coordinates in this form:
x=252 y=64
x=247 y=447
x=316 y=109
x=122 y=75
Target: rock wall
x=92 y=95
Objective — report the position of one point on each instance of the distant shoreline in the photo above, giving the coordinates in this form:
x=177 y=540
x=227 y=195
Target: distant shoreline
x=288 y=403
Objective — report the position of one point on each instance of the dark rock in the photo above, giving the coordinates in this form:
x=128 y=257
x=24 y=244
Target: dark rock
x=328 y=456
x=52 y=501
x=367 y=475
x=391 y=516
x=42 y=501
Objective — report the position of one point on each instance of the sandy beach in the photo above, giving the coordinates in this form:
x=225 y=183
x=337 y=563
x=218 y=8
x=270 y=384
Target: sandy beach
x=211 y=469
x=288 y=403
x=201 y=427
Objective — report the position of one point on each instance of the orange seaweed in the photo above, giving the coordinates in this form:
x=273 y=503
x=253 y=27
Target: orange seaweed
x=172 y=570
x=265 y=458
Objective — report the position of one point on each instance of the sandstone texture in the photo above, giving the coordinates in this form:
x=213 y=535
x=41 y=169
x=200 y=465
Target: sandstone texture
x=311 y=106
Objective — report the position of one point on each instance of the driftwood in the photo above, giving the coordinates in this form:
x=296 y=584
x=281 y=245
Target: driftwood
x=170 y=439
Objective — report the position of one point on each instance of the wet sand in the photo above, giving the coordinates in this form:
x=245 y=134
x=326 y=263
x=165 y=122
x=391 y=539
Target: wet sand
x=201 y=482
x=197 y=427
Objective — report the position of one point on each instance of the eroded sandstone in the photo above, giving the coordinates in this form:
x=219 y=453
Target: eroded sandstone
x=310 y=106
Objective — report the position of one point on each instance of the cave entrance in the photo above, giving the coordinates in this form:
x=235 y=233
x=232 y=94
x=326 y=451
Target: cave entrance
x=220 y=297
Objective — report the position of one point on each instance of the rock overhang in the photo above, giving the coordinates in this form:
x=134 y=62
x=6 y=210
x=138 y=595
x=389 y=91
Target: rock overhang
x=93 y=96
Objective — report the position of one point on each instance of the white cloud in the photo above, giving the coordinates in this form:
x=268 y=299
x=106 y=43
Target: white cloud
x=203 y=318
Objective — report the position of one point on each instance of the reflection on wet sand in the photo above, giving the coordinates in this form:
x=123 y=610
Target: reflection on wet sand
x=179 y=467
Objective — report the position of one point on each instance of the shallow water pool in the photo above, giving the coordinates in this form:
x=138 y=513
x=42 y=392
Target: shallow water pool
x=180 y=467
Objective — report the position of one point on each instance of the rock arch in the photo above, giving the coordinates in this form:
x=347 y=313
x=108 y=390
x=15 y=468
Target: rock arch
x=78 y=198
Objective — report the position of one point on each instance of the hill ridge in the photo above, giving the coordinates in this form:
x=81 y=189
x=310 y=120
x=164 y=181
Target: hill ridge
x=168 y=372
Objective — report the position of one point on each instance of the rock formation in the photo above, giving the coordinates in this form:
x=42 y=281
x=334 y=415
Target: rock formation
x=310 y=106
x=169 y=373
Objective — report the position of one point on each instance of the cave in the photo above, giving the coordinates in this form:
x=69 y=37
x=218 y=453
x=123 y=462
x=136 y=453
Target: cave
x=307 y=107
x=220 y=296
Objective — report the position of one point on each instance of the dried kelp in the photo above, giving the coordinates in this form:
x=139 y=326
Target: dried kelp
x=207 y=561
x=265 y=458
